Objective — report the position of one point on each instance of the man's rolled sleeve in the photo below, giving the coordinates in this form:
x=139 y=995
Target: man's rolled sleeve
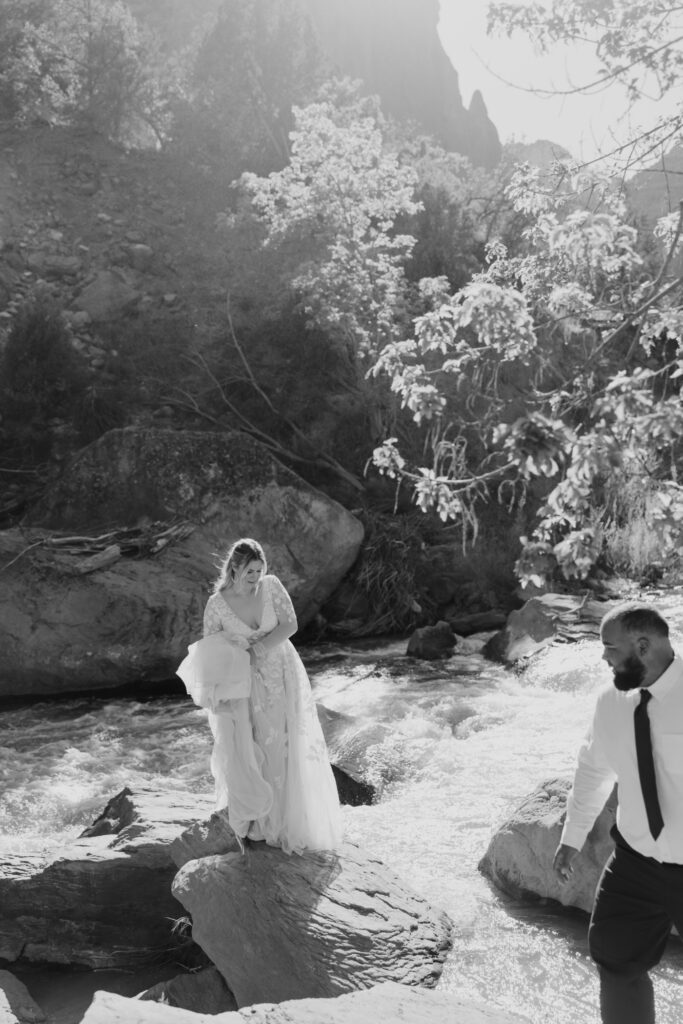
x=593 y=782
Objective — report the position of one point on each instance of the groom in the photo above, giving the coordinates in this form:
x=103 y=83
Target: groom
x=636 y=740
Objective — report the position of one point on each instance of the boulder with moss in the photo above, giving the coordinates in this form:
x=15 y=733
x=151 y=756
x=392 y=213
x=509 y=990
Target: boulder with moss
x=69 y=625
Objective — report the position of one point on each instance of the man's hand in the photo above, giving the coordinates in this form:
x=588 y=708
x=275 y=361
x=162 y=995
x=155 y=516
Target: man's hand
x=563 y=861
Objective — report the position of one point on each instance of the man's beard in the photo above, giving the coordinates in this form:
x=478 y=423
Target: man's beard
x=631 y=674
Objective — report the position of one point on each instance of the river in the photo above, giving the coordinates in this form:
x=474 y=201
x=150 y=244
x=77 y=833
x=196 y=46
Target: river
x=466 y=741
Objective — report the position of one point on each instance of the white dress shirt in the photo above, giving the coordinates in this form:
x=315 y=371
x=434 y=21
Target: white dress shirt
x=608 y=755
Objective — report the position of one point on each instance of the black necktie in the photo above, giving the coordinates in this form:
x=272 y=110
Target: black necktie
x=646 y=765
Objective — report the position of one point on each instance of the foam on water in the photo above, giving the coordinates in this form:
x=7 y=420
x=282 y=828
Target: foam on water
x=459 y=745
x=60 y=762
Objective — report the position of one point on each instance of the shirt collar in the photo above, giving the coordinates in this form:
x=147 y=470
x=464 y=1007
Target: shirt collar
x=670 y=677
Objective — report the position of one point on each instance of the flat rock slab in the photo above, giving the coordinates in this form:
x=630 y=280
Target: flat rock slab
x=291 y=927
x=519 y=858
x=105 y=901
x=389 y=1003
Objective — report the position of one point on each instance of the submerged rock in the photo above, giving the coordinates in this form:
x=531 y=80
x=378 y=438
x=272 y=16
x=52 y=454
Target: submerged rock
x=130 y=620
x=519 y=858
x=386 y=1004
x=288 y=927
x=432 y=642
x=16 y=1004
x=350 y=741
x=104 y=901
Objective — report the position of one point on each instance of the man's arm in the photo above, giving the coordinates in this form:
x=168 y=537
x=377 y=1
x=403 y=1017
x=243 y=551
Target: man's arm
x=593 y=781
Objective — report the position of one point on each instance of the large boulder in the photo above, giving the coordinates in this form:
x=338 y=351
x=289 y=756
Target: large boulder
x=290 y=927
x=64 y=628
x=544 y=620
x=519 y=858
x=386 y=1003
x=105 y=901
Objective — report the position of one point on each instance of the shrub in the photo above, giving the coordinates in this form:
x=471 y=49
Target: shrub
x=630 y=545
x=42 y=379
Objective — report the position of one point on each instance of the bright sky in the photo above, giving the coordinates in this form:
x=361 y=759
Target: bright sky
x=585 y=125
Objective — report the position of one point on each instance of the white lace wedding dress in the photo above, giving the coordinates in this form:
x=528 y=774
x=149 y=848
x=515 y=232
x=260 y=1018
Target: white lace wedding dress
x=269 y=758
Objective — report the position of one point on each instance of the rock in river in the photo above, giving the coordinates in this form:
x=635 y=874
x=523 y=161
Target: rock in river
x=105 y=901
x=519 y=858
x=290 y=927
x=386 y=1004
x=543 y=620
x=65 y=629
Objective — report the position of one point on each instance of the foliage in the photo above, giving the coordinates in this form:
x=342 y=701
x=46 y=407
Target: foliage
x=537 y=367
x=636 y=43
x=41 y=378
x=461 y=210
x=630 y=545
x=339 y=198
x=389 y=572
x=581 y=291
x=145 y=359
x=15 y=16
x=88 y=62
x=250 y=64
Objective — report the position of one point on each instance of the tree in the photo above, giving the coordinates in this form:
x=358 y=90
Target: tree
x=337 y=202
x=251 y=63
x=637 y=44
x=89 y=62
x=537 y=373
x=553 y=350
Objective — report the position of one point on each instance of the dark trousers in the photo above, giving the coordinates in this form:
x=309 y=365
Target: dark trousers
x=638 y=899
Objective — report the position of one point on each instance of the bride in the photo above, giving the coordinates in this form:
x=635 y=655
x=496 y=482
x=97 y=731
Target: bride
x=269 y=757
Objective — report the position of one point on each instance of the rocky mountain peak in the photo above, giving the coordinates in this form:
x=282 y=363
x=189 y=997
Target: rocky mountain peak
x=394 y=47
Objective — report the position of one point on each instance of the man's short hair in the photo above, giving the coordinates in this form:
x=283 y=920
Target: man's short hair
x=637 y=617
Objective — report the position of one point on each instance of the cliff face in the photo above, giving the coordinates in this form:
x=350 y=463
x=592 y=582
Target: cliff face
x=394 y=47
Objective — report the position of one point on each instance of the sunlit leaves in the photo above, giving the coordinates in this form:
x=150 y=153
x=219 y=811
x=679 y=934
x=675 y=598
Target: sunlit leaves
x=536 y=445
x=541 y=374
x=344 y=191
x=89 y=61
x=578 y=552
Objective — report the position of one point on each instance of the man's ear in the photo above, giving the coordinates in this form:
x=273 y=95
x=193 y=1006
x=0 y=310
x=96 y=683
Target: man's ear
x=643 y=645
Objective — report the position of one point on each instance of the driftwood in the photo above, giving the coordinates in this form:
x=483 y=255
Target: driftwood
x=80 y=555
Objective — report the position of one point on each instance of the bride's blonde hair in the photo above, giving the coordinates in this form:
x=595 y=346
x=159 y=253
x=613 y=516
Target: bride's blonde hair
x=242 y=552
